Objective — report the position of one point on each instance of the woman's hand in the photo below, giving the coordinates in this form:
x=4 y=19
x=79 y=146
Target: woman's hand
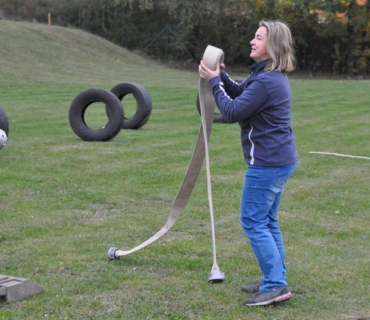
x=207 y=73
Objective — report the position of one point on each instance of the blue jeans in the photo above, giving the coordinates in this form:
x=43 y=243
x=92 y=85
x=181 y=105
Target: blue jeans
x=261 y=195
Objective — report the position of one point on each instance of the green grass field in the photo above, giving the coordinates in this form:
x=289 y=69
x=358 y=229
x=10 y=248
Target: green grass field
x=64 y=202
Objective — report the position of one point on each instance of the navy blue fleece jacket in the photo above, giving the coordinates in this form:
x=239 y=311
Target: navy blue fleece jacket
x=261 y=104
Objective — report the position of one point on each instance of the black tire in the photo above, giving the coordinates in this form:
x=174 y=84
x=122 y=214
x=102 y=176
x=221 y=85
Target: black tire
x=4 y=124
x=143 y=103
x=217 y=117
x=113 y=108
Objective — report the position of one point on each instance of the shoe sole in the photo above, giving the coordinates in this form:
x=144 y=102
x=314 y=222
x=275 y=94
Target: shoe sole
x=282 y=298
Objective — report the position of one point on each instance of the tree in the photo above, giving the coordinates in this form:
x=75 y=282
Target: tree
x=330 y=36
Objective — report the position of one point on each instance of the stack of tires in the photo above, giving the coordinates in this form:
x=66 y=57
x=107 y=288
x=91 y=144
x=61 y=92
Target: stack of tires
x=4 y=128
x=114 y=109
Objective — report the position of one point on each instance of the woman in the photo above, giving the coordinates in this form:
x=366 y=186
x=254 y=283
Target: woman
x=261 y=104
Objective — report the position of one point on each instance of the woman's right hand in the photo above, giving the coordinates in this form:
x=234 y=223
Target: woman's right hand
x=207 y=73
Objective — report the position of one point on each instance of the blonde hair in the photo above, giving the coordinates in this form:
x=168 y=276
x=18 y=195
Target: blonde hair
x=279 y=46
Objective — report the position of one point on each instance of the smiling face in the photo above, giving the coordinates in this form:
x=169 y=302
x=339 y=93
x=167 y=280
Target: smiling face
x=259 y=45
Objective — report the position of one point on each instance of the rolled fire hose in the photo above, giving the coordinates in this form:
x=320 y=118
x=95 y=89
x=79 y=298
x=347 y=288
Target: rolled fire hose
x=212 y=57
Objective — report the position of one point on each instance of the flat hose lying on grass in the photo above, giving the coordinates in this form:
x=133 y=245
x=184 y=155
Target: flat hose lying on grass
x=212 y=57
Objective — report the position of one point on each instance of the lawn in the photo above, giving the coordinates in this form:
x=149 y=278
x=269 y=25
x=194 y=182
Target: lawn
x=64 y=202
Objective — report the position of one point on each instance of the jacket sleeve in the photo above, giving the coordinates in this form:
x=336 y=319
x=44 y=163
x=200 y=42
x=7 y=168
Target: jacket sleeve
x=251 y=100
x=232 y=88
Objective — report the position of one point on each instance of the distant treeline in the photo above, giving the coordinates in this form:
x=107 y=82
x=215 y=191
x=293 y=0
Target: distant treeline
x=331 y=36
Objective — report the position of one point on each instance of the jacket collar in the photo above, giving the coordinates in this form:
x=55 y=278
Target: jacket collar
x=259 y=66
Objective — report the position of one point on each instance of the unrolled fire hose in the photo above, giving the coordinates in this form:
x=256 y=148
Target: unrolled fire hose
x=212 y=57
